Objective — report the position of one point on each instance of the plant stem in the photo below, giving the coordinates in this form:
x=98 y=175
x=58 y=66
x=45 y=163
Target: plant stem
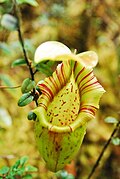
x=21 y=40
x=16 y=10
x=103 y=150
x=9 y=87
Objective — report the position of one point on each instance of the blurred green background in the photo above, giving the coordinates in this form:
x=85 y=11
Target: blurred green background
x=79 y=24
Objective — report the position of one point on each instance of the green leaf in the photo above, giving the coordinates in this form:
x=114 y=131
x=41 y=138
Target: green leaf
x=25 y=99
x=27 y=85
x=23 y=160
x=10 y=177
x=9 y=22
x=50 y=63
x=30 y=2
x=28 y=176
x=116 y=141
x=21 y=171
x=43 y=68
x=30 y=168
x=11 y=173
x=70 y=176
x=16 y=165
x=111 y=120
x=18 y=62
x=31 y=116
x=64 y=173
x=4 y=170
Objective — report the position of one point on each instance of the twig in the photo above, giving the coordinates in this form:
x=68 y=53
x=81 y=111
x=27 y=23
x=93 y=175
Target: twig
x=21 y=39
x=9 y=87
x=103 y=150
x=35 y=71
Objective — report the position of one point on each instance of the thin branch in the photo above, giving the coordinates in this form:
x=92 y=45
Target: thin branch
x=16 y=9
x=103 y=150
x=9 y=87
x=35 y=71
x=21 y=40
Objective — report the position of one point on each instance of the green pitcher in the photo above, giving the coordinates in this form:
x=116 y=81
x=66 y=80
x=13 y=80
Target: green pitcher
x=70 y=98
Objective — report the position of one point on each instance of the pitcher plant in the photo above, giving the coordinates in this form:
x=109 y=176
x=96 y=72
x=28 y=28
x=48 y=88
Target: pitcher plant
x=70 y=98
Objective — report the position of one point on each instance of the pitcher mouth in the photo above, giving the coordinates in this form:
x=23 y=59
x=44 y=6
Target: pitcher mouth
x=81 y=120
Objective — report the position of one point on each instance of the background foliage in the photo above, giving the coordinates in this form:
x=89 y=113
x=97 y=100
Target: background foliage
x=82 y=25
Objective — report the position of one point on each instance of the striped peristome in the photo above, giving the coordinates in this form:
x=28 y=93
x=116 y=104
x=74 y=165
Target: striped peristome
x=70 y=98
